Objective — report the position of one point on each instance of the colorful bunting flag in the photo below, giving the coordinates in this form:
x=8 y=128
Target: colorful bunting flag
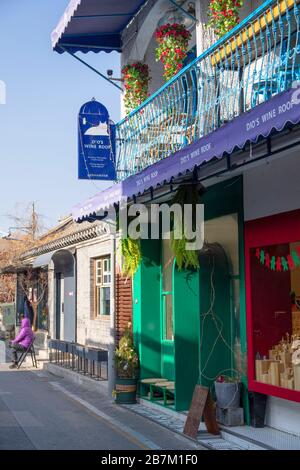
x=278 y=264
x=281 y=263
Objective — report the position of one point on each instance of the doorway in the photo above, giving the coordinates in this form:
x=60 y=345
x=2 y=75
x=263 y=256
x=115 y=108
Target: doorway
x=57 y=304
x=65 y=299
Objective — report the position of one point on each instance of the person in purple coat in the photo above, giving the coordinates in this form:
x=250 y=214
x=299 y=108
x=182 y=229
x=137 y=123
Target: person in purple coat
x=22 y=341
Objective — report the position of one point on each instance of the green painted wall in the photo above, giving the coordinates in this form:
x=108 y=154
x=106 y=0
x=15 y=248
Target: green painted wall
x=223 y=198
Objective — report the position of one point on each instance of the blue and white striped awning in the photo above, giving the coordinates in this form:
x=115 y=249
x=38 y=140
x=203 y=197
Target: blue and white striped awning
x=93 y=25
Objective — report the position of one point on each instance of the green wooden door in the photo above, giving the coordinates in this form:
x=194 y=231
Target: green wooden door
x=146 y=310
x=186 y=334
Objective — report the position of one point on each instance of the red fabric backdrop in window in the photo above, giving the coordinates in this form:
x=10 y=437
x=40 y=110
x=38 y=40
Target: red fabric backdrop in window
x=280 y=229
x=271 y=301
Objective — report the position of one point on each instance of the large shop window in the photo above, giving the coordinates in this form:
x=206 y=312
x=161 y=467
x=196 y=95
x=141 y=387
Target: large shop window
x=102 y=286
x=275 y=305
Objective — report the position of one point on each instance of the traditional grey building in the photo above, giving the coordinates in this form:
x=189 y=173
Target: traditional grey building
x=79 y=299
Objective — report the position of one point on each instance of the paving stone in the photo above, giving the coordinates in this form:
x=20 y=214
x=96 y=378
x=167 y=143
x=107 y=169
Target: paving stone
x=166 y=420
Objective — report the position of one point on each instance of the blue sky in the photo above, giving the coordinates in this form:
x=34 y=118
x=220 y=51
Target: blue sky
x=38 y=124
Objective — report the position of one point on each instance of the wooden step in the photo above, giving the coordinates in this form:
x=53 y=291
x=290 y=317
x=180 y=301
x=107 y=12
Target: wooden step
x=153 y=380
x=165 y=384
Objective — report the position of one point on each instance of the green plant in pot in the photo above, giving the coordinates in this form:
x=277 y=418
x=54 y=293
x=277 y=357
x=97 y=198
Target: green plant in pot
x=173 y=42
x=127 y=369
x=223 y=15
x=136 y=82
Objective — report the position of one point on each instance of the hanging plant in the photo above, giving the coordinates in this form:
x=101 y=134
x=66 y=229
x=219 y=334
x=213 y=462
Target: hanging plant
x=132 y=256
x=136 y=82
x=185 y=259
x=173 y=42
x=223 y=15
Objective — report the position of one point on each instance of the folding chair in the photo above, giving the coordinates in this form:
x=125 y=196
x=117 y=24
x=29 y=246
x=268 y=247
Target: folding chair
x=30 y=350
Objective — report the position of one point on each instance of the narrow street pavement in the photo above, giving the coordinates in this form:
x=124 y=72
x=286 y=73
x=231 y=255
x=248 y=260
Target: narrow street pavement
x=39 y=410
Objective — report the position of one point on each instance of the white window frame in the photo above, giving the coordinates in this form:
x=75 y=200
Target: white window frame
x=102 y=280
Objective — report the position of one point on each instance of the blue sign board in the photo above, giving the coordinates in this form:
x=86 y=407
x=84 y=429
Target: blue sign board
x=96 y=143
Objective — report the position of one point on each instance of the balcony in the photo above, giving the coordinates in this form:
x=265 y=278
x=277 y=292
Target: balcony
x=257 y=60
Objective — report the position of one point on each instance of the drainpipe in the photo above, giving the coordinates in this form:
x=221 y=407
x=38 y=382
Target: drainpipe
x=111 y=346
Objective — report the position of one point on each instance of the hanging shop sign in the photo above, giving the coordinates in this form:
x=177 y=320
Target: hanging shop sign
x=96 y=143
x=278 y=263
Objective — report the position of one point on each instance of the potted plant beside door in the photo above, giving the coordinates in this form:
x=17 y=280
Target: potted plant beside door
x=228 y=392
x=228 y=388
x=127 y=369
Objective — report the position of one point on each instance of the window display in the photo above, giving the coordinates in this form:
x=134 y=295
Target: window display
x=275 y=300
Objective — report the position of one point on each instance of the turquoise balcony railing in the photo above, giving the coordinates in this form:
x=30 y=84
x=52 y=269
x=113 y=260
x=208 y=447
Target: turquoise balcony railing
x=255 y=61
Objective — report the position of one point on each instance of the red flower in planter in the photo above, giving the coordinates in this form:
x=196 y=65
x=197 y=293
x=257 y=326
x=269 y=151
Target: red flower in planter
x=220 y=379
x=173 y=40
x=136 y=82
x=223 y=15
